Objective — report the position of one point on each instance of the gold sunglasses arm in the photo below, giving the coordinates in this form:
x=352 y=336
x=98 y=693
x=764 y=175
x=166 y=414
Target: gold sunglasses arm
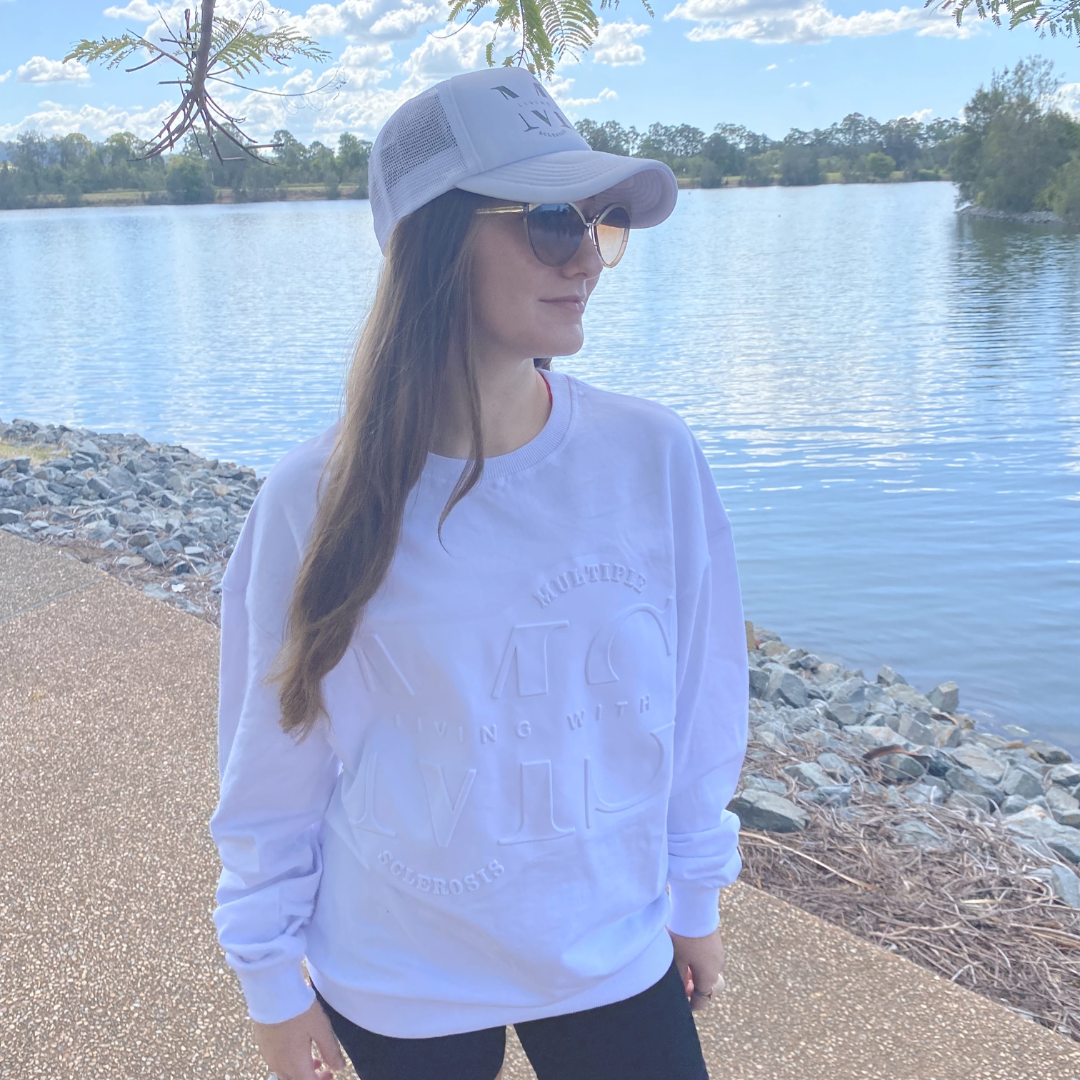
x=520 y=208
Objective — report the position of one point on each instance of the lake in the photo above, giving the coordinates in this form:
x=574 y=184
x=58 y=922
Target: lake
x=889 y=395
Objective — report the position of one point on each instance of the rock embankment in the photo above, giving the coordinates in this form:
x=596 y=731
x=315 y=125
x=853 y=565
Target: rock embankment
x=154 y=513
x=884 y=738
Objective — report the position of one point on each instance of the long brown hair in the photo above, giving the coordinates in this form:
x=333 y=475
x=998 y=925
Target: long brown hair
x=419 y=324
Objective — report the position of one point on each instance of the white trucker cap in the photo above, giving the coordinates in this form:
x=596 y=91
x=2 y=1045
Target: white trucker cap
x=498 y=132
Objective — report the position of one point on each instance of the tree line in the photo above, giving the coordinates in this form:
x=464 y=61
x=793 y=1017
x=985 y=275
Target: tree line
x=36 y=170
x=1016 y=150
x=857 y=149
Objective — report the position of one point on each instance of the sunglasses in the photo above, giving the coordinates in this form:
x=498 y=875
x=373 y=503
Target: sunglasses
x=556 y=230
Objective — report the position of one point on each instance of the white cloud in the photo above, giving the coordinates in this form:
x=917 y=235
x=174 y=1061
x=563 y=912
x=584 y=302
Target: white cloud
x=920 y=116
x=561 y=89
x=798 y=85
x=367 y=20
x=771 y=67
x=1068 y=98
x=805 y=22
x=5 y=76
x=450 y=52
x=39 y=69
x=355 y=20
x=55 y=119
x=615 y=44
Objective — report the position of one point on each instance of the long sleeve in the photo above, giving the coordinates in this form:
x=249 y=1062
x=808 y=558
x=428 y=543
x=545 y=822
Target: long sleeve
x=710 y=718
x=274 y=791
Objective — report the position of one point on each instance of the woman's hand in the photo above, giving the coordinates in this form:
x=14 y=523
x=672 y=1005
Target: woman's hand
x=700 y=961
x=286 y=1047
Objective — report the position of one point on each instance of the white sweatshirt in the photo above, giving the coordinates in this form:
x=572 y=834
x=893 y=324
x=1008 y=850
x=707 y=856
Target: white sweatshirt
x=534 y=730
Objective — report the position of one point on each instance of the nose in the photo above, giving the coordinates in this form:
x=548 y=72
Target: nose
x=586 y=261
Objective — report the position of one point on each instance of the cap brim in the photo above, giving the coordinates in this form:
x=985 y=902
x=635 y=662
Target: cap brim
x=648 y=187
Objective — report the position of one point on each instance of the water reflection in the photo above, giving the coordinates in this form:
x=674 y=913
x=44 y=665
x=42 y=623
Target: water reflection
x=888 y=395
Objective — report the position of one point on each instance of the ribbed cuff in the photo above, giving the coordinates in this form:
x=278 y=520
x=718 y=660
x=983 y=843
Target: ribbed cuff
x=695 y=911
x=277 y=994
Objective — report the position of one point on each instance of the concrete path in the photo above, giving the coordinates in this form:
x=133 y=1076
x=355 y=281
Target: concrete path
x=109 y=967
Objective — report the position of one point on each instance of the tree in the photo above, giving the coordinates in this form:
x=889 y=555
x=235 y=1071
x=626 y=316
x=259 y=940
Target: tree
x=186 y=180
x=799 y=165
x=880 y=166
x=548 y=30
x=1013 y=139
x=1057 y=16
x=212 y=49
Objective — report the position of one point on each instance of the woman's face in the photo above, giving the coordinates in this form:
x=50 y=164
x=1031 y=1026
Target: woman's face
x=524 y=308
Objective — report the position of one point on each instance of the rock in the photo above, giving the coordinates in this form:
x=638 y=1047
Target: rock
x=766 y=783
x=153 y=553
x=844 y=715
x=900 y=767
x=925 y=794
x=8 y=516
x=827 y=672
x=1065 y=885
x=1013 y=804
x=1036 y=823
x=872 y=736
x=965 y=782
x=836 y=766
x=774 y=648
x=140 y=539
x=1048 y=753
x=787 y=687
x=946 y=734
x=773 y=741
x=827 y=795
x=764 y=810
x=849 y=692
x=985 y=739
x=987 y=764
x=887 y=677
x=1064 y=808
x=759 y=680
x=809 y=772
x=969 y=800
x=945 y=697
x=99 y=487
x=817 y=739
x=917 y=834
x=908 y=695
x=1066 y=775
x=916 y=730
x=1023 y=782
x=120 y=479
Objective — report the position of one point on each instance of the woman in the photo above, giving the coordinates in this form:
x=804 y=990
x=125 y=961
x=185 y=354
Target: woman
x=536 y=704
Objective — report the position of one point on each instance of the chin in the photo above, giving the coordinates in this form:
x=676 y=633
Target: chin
x=562 y=346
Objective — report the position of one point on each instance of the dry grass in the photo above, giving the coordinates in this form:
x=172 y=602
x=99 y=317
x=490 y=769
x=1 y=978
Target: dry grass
x=969 y=911
x=37 y=454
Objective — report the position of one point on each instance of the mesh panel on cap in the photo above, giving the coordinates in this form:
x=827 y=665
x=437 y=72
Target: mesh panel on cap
x=418 y=158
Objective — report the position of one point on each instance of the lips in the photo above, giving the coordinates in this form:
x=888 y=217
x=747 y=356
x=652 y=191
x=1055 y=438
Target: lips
x=576 y=303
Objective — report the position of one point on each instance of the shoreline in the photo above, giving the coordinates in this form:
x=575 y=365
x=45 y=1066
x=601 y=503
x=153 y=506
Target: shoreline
x=319 y=192
x=1027 y=217
x=865 y=801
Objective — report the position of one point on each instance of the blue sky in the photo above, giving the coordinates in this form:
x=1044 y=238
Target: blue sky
x=768 y=64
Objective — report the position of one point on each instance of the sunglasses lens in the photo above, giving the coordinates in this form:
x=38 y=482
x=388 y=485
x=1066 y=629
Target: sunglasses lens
x=555 y=232
x=612 y=234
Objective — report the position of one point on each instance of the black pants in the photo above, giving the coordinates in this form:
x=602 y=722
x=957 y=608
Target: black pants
x=650 y=1036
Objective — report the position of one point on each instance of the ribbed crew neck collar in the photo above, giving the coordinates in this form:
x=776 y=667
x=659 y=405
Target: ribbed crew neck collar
x=543 y=443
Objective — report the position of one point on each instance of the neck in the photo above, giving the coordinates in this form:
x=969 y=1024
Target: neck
x=514 y=407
